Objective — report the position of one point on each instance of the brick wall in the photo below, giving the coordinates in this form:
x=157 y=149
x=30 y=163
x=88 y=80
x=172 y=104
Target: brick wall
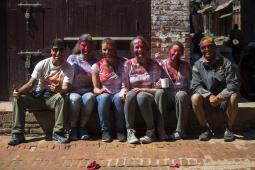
x=170 y=21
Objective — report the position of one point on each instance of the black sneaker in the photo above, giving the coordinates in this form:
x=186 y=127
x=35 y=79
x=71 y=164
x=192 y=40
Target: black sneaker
x=60 y=137
x=228 y=135
x=121 y=137
x=205 y=135
x=17 y=138
x=106 y=136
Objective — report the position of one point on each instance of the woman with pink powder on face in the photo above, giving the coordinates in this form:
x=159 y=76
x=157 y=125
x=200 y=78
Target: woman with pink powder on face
x=177 y=96
x=81 y=98
x=106 y=76
x=139 y=77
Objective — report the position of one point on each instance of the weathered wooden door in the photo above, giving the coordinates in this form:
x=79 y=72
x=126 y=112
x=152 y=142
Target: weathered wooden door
x=43 y=26
x=59 y=19
x=110 y=18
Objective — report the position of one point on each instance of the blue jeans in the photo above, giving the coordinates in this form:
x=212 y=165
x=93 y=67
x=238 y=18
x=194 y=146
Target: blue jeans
x=105 y=101
x=81 y=103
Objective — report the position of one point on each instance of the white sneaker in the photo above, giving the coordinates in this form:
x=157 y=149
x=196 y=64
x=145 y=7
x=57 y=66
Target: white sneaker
x=131 y=136
x=177 y=135
x=149 y=137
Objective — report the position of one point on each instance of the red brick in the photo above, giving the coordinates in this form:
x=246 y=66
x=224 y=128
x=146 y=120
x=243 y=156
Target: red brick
x=185 y=162
x=129 y=163
x=154 y=162
x=113 y=163
x=162 y=162
x=137 y=162
x=67 y=163
x=104 y=163
x=36 y=164
x=59 y=163
x=83 y=163
x=75 y=163
x=44 y=164
x=120 y=163
x=14 y=164
x=51 y=164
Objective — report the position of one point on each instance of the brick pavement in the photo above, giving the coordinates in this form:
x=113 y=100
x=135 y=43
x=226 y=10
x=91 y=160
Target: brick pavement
x=190 y=153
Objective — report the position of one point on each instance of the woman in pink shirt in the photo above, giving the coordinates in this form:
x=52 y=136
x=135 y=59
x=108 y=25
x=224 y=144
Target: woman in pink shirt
x=177 y=96
x=106 y=77
x=139 y=77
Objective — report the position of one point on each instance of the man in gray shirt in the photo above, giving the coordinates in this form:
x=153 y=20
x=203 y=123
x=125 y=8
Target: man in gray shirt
x=214 y=84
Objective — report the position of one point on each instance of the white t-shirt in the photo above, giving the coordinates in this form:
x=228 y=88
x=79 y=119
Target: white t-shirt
x=47 y=74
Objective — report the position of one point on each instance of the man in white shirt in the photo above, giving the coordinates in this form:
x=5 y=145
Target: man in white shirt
x=53 y=77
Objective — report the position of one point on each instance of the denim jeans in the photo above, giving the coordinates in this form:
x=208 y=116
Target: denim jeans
x=81 y=103
x=105 y=101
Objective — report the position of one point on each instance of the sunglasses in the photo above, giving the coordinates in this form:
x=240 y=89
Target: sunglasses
x=61 y=50
x=209 y=46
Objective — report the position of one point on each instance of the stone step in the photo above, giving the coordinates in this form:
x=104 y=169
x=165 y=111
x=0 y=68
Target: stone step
x=42 y=122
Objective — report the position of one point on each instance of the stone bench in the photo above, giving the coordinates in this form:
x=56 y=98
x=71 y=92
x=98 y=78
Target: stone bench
x=42 y=122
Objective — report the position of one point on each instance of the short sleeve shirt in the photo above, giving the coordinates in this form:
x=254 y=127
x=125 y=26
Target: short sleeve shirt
x=139 y=77
x=82 y=81
x=110 y=79
x=47 y=74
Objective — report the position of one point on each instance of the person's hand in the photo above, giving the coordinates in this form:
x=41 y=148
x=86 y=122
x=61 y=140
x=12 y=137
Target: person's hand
x=220 y=98
x=103 y=90
x=158 y=84
x=15 y=92
x=122 y=94
x=136 y=90
x=56 y=88
x=214 y=101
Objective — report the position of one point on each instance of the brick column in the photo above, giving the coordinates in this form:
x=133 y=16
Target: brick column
x=169 y=22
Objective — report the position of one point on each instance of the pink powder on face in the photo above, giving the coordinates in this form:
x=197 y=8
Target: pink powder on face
x=108 y=50
x=85 y=47
x=139 y=45
x=175 y=52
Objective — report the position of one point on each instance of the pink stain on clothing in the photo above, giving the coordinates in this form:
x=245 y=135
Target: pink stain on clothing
x=82 y=81
x=136 y=76
x=110 y=79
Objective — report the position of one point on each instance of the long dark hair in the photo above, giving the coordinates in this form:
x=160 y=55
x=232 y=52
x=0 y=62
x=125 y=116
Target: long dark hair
x=83 y=37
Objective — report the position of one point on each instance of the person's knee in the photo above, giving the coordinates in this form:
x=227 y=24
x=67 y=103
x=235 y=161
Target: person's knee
x=233 y=99
x=143 y=99
x=75 y=98
x=196 y=99
x=130 y=96
x=181 y=96
x=159 y=93
x=88 y=97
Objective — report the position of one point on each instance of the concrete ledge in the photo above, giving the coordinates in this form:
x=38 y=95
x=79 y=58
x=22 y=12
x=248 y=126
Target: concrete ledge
x=42 y=122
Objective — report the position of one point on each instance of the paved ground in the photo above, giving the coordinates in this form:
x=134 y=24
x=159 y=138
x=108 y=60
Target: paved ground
x=42 y=153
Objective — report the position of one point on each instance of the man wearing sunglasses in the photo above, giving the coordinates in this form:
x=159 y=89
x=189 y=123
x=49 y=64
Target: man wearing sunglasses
x=53 y=77
x=214 y=84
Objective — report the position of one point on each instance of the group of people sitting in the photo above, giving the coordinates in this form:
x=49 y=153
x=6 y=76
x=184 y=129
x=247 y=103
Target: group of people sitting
x=75 y=86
